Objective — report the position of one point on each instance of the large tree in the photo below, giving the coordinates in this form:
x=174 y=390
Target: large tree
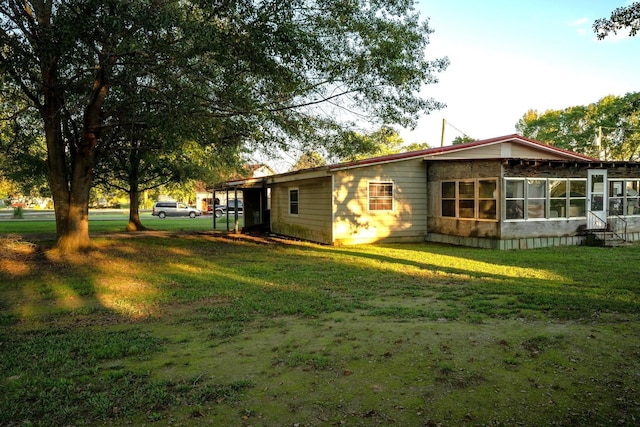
x=622 y=17
x=231 y=73
x=613 y=122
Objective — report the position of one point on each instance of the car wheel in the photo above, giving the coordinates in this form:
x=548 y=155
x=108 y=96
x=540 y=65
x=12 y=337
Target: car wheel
x=192 y=214
x=218 y=213
x=161 y=215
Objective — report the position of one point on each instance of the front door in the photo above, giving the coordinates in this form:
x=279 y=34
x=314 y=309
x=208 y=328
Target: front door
x=597 y=199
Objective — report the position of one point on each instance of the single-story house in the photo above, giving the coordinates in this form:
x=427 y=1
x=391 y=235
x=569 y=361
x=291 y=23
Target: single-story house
x=508 y=192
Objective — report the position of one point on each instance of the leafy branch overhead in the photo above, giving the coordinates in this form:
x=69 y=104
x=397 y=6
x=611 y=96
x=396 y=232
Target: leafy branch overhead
x=621 y=18
x=108 y=79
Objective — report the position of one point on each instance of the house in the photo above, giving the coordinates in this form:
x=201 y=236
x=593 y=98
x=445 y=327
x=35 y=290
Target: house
x=508 y=192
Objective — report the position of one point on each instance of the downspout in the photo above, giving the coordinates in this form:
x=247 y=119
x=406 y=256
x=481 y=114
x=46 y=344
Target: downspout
x=426 y=183
x=333 y=208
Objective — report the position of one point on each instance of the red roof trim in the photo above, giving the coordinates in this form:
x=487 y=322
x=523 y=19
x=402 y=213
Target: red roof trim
x=457 y=147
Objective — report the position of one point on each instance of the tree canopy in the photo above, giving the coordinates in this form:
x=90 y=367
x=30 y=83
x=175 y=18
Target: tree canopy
x=621 y=18
x=614 y=120
x=226 y=75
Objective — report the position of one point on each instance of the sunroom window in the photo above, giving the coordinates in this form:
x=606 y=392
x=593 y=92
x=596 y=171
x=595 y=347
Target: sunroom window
x=542 y=198
x=536 y=198
x=469 y=199
x=616 y=197
x=632 y=197
x=466 y=199
x=487 y=205
x=515 y=199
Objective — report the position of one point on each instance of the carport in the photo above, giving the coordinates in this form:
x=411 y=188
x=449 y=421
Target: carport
x=255 y=196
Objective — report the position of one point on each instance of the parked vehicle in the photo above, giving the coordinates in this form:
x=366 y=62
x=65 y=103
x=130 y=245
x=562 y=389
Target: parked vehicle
x=164 y=209
x=230 y=207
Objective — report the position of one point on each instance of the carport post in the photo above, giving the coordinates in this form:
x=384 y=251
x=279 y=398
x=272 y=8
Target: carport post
x=213 y=208
x=235 y=209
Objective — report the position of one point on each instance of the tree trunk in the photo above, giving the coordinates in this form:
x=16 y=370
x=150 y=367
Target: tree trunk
x=71 y=191
x=134 y=192
x=72 y=227
x=134 y=211
x=75 y=236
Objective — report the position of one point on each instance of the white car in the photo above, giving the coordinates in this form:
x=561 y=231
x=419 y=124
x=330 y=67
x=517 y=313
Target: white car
x=164 y=209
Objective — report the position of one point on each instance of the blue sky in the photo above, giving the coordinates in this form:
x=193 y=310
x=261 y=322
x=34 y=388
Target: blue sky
x=509 y=56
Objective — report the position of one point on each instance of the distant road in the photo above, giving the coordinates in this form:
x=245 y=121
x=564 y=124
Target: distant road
x=95 y=214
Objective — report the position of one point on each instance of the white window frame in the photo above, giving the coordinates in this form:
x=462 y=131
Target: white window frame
x=297 y=202
x=525 y=198
x=384 y=197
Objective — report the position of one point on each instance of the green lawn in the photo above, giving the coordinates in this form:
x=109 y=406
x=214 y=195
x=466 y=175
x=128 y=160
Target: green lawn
x=115 y=221
x=213 y=329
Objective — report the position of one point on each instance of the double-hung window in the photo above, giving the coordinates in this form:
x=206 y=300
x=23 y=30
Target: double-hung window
x=577 y=197
x=487 y=204
x=449 y=198
x=515 y=198
x=632 y=197
x=467 y=199
x=294 y=201
x=558 y=198
x=616 y=197
x=536 y=198
x=381 y=196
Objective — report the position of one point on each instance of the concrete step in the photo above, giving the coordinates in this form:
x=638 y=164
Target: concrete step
x=604 y=238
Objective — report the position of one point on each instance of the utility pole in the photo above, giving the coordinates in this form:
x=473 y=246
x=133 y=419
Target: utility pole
x=444 y=122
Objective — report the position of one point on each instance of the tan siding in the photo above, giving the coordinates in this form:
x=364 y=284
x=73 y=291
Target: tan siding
x=523 y=152
x=501 y=151
x=354 y=223
x=313 y=221
x=486 y=152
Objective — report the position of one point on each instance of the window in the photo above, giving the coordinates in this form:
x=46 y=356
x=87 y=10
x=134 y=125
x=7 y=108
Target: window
x=565 y=198
x=381 y=196
x=466 y=199
x=616 y=197
x=515 y=199
x=558 y=198
x=294 y=201
x=449 y=199
x=577 y=197
x=536 y=198
x=472 y=199
x=632 y=197
x=487 y=206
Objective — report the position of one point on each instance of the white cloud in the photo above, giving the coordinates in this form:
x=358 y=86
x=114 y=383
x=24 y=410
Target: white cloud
x=579 y=22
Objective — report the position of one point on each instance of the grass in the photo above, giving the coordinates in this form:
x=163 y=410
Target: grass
x=215 y=329
x=114 y=222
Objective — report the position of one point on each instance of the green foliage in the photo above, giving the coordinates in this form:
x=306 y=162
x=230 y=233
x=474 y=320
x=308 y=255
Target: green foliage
x=622 y=17
x=463 y=139
x=575 y=128
x=138 y=99
x=382 y=142
x=310 y=159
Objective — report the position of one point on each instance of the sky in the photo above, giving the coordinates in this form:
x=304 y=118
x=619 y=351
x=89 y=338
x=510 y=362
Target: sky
x=511 y=56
